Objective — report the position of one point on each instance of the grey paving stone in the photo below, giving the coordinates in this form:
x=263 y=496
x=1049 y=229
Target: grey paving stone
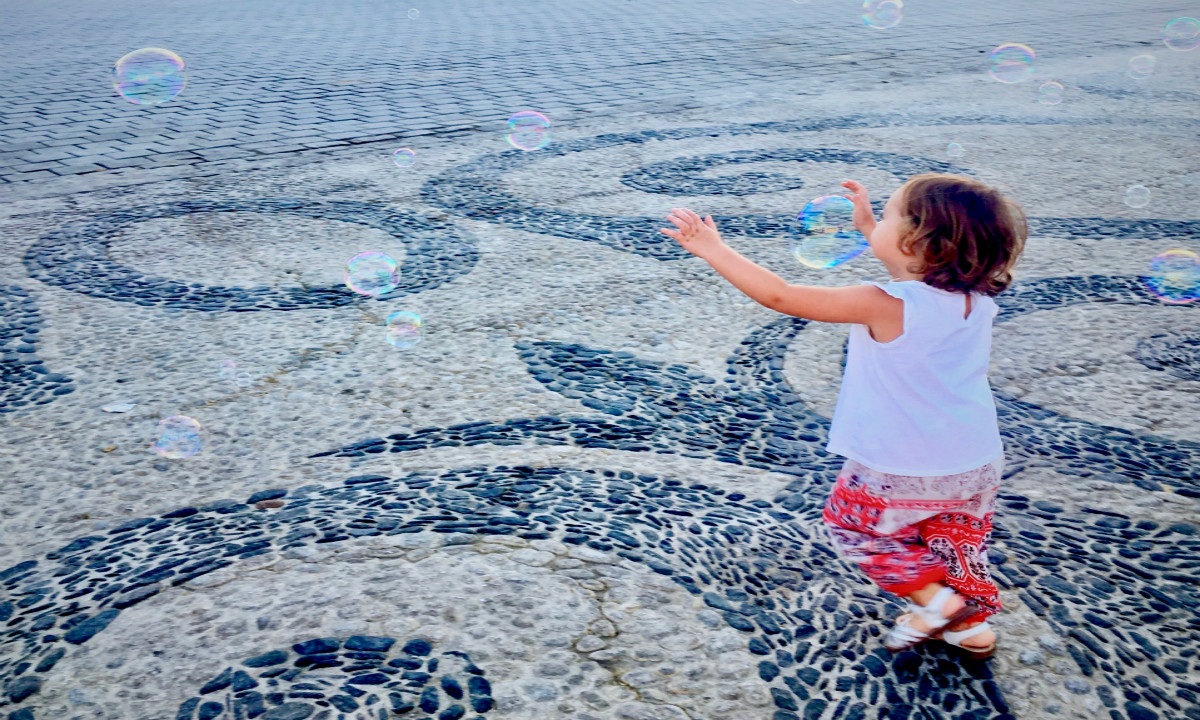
x=616 y=54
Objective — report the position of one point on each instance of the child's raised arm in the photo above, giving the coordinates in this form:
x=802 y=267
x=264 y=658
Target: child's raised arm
x=864 y=304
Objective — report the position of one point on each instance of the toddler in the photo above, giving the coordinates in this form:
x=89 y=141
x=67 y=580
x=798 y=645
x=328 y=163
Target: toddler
x=915 y=418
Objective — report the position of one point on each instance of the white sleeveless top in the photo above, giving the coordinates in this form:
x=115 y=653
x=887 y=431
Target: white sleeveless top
x=921 y=404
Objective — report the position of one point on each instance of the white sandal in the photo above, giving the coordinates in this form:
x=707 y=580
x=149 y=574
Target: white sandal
x=951 y=637
x=903 y=635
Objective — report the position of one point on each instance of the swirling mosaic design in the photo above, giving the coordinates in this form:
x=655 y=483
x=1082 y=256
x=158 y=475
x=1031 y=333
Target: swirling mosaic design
x=476 y=190
x=24 y=379
x=684 y=176
x=756 y=419
x=1120 y=590
x=736 y=554
x=1175 y=353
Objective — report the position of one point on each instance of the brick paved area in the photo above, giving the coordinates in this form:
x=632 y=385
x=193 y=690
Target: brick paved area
x=269 y=77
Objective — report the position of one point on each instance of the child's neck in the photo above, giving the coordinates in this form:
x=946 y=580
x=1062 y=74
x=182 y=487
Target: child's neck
x=901 y=274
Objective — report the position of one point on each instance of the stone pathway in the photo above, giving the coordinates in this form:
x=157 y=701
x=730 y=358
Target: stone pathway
x=593 y=490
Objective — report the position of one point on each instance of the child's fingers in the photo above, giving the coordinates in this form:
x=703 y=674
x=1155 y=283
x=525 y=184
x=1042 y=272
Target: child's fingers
x=690 y=216
x=671 y=233
x=679 y=215
x=709 y=222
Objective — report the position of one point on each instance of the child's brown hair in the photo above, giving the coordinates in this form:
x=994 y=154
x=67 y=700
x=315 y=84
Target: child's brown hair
x=966 y=235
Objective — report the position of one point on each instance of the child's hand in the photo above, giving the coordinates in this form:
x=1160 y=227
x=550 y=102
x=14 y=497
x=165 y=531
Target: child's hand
x=864 y=217
x=699 y=237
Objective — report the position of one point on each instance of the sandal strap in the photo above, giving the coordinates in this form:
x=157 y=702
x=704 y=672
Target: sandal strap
x=932 y=613
x=904 y=634
x=954 y=637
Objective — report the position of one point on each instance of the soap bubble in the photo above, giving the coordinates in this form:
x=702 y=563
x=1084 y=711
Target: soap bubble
x=529 y=130
x=1050 y=93
x=882 y=14
x=1137 y=196
x=954 y=150
x=413 y=14
x=1012 y=63
x=371 y=273
x=1182 y=34
x=404 y=157
x=828 y=236
x=178 y=437
x=243 y=379
x=404 y=329
x=150 y=76
x=1141 y=66
x=227 y=369
x=1175 y=276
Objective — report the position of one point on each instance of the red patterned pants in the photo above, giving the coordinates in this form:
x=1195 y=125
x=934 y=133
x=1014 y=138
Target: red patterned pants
x=906 y=532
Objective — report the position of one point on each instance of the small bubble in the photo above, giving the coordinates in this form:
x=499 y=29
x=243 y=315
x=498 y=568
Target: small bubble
x=413 y=14
x=244 y=380
x=371 y=273
x=1182 y=34
x=404 y=329
x=150 y=76
x=178 y=437
x=404 y=157
x=1050 y=93
x=529 y=130
x=227 y=369
x=827 y=233
x=1141 y=67
x=1175 y=276
x=1012 y=63
x=955 y=150
x=882 y=14
x=1137 y=196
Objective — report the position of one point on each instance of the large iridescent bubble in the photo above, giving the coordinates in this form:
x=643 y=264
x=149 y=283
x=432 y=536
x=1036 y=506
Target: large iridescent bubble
x=150 y=76
x=404 y=329
x=1012 y=63
x=371 y=273
x=827 y=233
x=1182 y=34
x=882 y=14
x=529 y=130
x=178 y=437
x=1174 y=276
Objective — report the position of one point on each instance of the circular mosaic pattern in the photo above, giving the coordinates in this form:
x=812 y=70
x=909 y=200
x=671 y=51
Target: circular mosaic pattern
x=683 y=176
x=76 y=258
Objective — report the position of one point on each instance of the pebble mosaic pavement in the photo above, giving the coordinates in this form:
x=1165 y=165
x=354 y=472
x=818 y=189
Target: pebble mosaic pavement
x=594 y=489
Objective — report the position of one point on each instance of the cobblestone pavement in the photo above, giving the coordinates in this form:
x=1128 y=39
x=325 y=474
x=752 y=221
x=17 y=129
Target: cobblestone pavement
x=593 y=489
x=275 y=78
